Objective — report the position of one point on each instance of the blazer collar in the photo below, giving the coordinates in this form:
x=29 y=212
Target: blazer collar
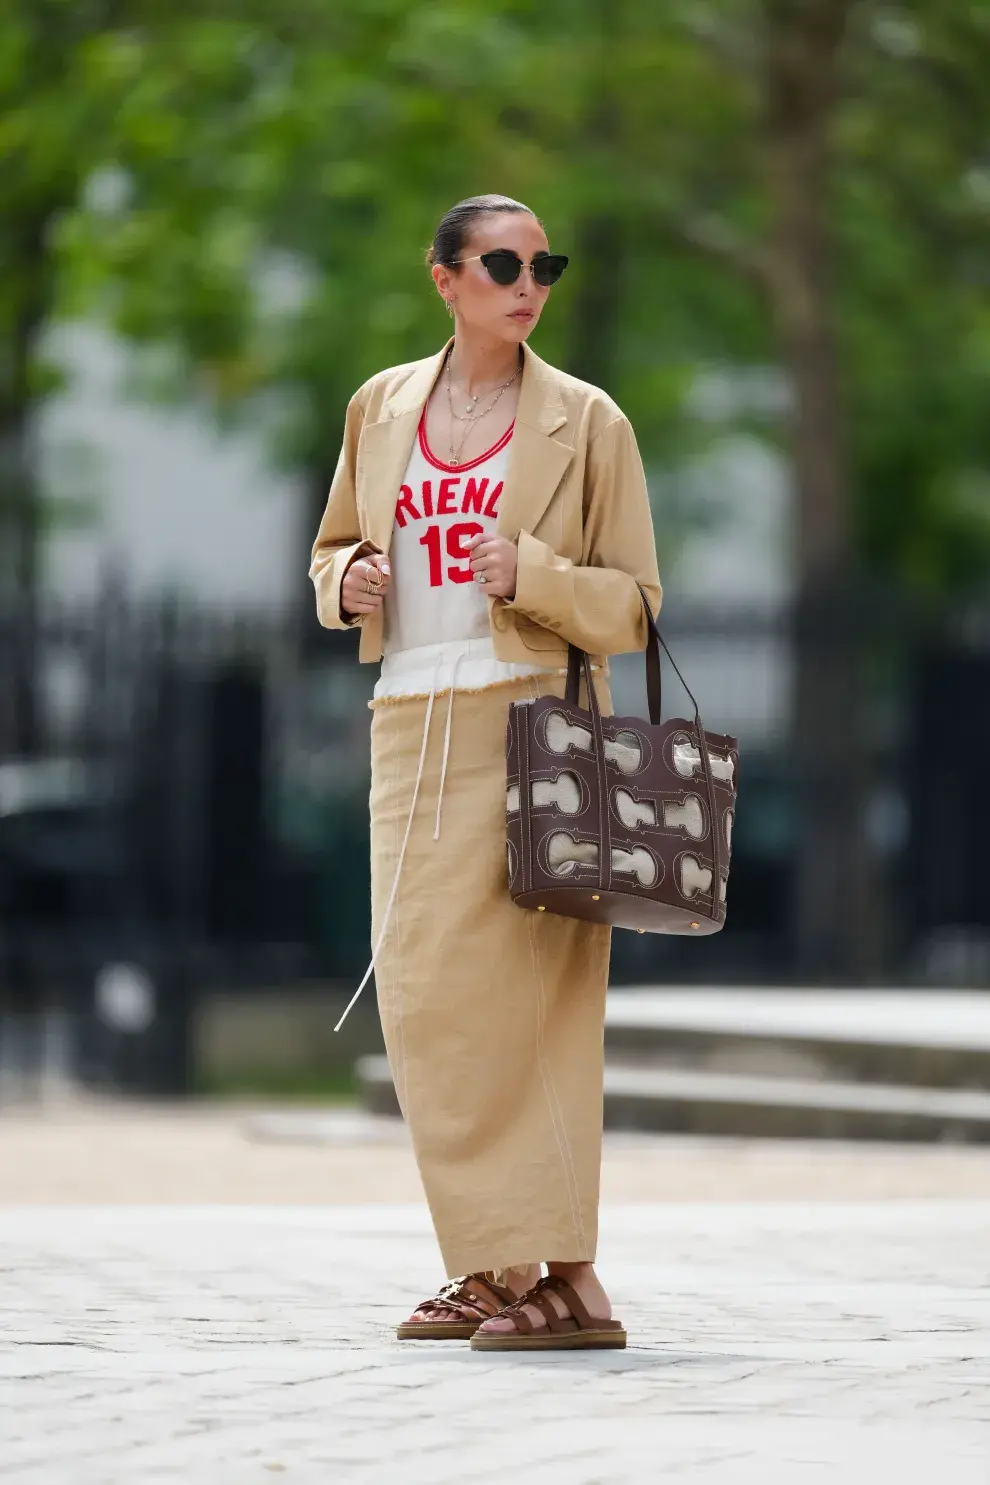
x=537 y=460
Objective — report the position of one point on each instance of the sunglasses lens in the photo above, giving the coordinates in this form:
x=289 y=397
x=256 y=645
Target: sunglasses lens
x=547 y=270
x=502 y=267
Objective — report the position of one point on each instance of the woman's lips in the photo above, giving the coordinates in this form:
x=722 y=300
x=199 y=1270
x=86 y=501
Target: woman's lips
x=522 y=314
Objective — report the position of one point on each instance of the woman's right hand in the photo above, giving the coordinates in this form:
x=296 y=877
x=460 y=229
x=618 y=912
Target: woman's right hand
x=358 y=591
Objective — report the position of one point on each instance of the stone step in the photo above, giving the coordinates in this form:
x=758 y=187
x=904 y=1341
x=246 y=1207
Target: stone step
x=679 y=1100
x=664 y=1099
x=376 y=1091
x=911 y=1038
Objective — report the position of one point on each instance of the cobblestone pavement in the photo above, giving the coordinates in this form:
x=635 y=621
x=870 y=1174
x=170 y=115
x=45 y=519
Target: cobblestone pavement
x=222 y=1345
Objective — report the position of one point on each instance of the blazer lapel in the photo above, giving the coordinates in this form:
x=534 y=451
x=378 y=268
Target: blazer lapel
x=537 y=460
x=385 y=449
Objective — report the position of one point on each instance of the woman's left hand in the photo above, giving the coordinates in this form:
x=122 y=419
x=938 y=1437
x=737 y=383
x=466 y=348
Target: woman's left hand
x=494 y=558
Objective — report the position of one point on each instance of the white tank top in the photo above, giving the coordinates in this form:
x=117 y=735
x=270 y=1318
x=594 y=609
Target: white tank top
x=433 y=597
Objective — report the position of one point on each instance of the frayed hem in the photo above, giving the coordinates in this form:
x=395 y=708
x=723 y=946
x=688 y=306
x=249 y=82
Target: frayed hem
x=563 y=1253
x=512 y=680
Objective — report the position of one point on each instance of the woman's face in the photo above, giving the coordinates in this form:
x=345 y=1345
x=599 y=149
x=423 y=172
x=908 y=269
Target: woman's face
x=505 y=311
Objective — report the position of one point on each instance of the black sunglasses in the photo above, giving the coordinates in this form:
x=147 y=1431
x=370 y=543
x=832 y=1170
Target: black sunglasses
x=504 y=267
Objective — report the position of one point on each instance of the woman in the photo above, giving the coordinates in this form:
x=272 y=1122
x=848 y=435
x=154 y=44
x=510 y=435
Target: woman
x=486 y=510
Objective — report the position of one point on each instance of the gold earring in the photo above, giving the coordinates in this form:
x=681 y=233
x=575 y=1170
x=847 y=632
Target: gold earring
x=450 y=307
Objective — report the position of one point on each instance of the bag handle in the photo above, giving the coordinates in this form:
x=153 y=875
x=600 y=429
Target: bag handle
x=654 y=692
x=578 y=659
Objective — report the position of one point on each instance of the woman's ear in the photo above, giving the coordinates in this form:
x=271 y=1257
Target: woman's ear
x=444 y=280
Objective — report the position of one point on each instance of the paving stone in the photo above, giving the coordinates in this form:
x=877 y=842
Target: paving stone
x=224 y=1345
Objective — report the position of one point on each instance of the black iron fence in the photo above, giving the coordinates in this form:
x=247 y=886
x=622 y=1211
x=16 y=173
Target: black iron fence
x=193 y=811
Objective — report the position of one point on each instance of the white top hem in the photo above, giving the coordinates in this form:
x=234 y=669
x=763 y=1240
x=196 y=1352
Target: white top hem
x=425 y=668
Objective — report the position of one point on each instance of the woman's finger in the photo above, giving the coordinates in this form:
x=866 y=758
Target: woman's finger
x=359 y=596
x=371 y=576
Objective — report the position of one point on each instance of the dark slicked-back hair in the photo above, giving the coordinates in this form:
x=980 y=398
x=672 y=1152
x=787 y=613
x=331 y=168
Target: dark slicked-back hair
x=455 y=225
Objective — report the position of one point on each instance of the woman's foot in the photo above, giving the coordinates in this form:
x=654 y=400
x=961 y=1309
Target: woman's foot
x=582 y=1279
x=483 y=1298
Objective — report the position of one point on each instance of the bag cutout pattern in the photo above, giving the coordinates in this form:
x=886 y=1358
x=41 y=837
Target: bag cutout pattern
x=661 y=813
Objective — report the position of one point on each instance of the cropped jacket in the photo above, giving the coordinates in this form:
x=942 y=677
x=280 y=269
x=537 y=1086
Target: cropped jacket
x=575 y=502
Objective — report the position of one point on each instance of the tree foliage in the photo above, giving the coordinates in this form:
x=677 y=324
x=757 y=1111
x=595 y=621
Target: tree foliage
x=254 y=187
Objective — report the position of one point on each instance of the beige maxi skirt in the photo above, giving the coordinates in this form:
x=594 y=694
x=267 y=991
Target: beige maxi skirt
x=493 y=1015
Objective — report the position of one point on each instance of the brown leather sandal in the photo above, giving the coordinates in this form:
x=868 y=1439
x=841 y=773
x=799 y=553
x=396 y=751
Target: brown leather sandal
x=574 y=1332
x=475 y=1298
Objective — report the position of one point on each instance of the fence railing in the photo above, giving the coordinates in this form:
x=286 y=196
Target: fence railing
x=195 y=796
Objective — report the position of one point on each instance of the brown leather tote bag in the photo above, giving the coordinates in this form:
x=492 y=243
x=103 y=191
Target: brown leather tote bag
x=617 y=820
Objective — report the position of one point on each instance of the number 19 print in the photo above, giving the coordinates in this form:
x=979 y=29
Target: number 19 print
x=433 y=596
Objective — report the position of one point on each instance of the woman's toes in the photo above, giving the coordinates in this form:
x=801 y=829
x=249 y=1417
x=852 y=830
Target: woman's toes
x=418 y=1317
x=497 y=1326
x=503 y=1325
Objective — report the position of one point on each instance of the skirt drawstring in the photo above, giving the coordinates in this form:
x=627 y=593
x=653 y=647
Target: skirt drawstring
x=412 y=810
x=446 y=741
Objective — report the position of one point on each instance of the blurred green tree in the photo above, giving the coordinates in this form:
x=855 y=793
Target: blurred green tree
x=786 y=181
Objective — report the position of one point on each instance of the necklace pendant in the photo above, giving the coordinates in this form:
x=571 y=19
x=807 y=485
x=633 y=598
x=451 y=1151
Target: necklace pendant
x=455 y=461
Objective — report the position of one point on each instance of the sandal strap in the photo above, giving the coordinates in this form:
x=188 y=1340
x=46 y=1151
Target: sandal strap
x=538 y=1298
x=486 y=1290
x=572 y=1300
x=502 y=1293
x=466 y=1297
x=555 y=1323
x=517 y=1315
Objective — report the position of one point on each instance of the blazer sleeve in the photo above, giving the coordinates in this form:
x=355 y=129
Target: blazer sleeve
x=595 y=603
x=338 y=541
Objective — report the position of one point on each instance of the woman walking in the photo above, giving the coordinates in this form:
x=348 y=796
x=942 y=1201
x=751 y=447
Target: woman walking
x=486 y=510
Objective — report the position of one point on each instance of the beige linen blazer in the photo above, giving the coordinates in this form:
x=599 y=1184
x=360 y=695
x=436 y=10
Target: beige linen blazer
x=575 y=503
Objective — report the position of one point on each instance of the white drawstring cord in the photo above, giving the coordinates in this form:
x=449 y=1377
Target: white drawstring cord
x=408 y=823
x=402 y=851
x=446 y=740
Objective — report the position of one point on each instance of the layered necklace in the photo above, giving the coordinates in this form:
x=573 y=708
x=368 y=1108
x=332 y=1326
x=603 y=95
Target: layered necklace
x=470 y=417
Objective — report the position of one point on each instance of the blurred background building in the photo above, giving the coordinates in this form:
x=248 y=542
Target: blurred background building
x=213 y=230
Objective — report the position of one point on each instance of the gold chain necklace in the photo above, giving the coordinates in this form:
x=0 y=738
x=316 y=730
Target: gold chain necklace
x=480 y=396
x=454 y=455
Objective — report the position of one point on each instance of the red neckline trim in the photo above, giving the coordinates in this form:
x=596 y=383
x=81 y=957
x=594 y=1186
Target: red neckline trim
x=431 y=458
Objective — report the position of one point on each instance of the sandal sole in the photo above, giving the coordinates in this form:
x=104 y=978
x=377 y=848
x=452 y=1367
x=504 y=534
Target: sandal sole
x=439 y=1331
x=578 y=1340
